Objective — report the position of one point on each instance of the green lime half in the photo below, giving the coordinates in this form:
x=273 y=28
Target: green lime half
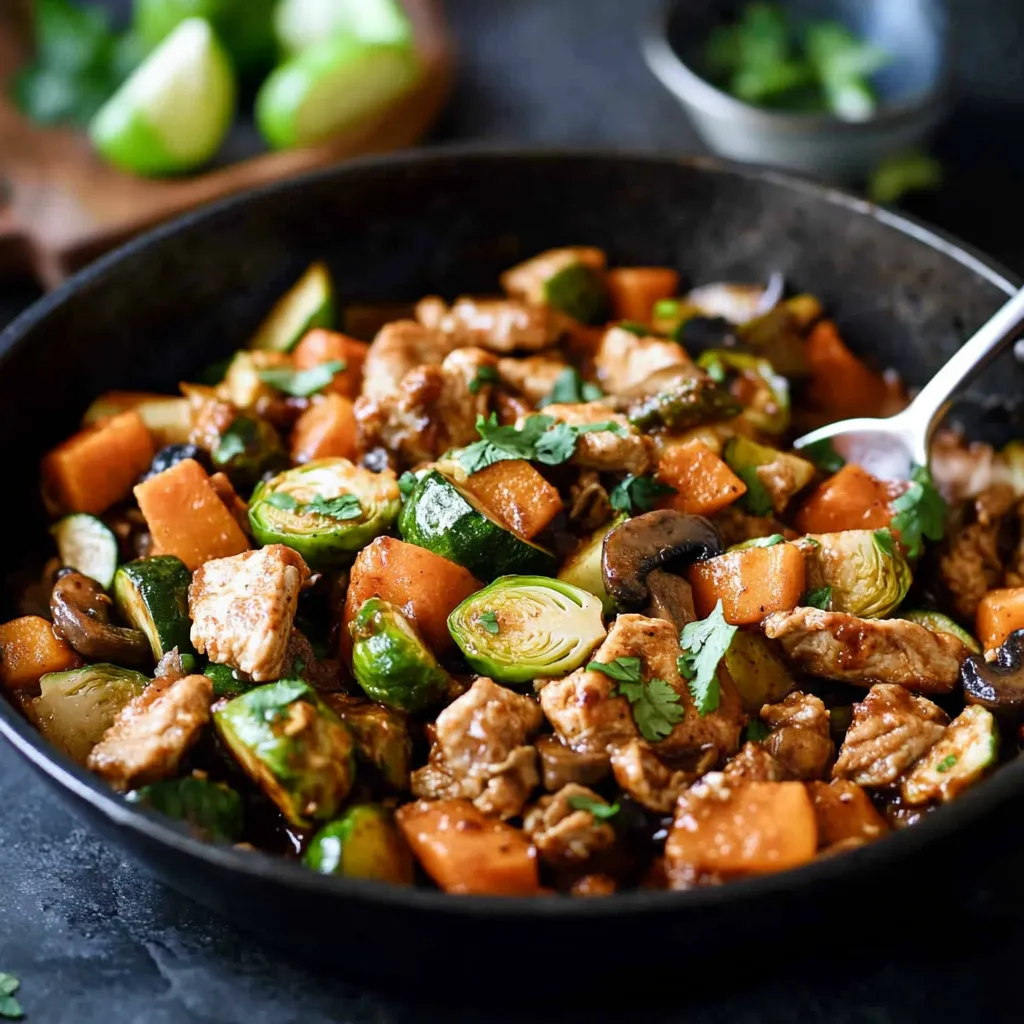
x=176 y=108
x=301 y=24
x=331 y=87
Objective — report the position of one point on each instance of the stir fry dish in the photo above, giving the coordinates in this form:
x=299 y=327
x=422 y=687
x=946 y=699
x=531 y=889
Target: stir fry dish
x=526 y=594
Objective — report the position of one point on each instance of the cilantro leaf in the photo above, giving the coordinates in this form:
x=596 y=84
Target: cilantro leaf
x=342 y=508
x=407 y=483
x=704 y=645
x=489 y=621
x=762 y=542
x=820 y=597
x=484 y=375
x=303 y=383
x=757 y=501
x=571 y=389
x=235 y=440
x=756 y=730
x=556 y=445
x=270 y=702
x=656 y=710
x=884 y=542
x=282 y=500
x=622 y=670
x=638 y=492
x=10 y=1008
x=920 y=512
x=824 y=455
x=598 y=808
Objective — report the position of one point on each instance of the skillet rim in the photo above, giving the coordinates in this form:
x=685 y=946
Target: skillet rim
x=1006 y=784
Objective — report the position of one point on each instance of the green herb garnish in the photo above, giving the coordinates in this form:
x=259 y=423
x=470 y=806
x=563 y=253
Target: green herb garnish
x=655 y=705
x=824 y=455
x=946 y=763
x=820 y=598
x=757 y=501
x=756 y=731
x=407 y=483
x=920 y=512
x=343 y=507
x=10 y=1008
x=571 y=389
x=639 y=493
x=704 y=645
x=489 y=621
x=484 y=375
x=303 y=383
x=598 y=808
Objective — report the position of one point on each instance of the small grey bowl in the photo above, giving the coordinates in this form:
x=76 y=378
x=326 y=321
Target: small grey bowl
x=913 y=90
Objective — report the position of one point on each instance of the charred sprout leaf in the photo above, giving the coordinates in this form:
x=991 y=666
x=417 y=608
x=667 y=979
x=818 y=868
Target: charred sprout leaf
x=820 y=597
x=756 y=730
x=571 y=389
x=704 y=645
x=824 y=455
x=766 y=392
x=638 y=493
x=282 y=500
x=247 y=449
x=865 y=569
x=345 y=506
x=489 y=621
x=757 y=501
x=920 y=512
x=689 y=402
x=622 y=670
x=484 y=375
x=407 y=483
x=598 y=808
x=10 y=1008
x=302 y=383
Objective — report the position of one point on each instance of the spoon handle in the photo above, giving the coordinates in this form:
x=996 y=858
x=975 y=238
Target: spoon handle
x=936 y=396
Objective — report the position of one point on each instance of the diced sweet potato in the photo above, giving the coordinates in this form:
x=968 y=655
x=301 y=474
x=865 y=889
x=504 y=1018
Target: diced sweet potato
x=96 y=467
x=633 y=291
x=29 y=649
x=186 y=516
x=851 y=500
x=704 y=484
x=327 y=429
x=465 y=852
x=841 y=384
x=844 y=811
x=751 y=583
x=517 y=494
x=321 y=346
x=1000 y=613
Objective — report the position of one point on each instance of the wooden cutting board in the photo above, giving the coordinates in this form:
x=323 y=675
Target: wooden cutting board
x=61 y=206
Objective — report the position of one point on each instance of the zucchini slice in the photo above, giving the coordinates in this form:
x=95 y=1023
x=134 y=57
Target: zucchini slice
x=152 y=595
x=87 y=544
x=583 y=567
x=226 y=681
x=308 y=304
x=939 y=623
x=441 y=517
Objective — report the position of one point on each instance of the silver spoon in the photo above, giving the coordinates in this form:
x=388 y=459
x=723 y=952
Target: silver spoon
x=889 y=448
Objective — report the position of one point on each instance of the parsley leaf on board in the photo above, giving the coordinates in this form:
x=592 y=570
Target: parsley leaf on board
x=704 y=645
x=303 y=383
x=571 y=389
x=824 y=455
x=622 y=670
x=598 y=808
x=489 y=620
x=920 y=512
x=10 y=1008
x=638 y=492
x=407 y=483
x=757 y=501
x=342 y=508
x=756 y=730
x=282 y=500
x=820 y=597
x=484 y=375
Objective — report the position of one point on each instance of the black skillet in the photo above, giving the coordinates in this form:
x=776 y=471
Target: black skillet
x=448 y=222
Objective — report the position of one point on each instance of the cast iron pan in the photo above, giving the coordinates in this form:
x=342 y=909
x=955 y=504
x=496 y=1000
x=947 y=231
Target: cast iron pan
x=448 y=222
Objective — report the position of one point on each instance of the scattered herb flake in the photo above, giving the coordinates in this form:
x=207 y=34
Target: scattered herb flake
x=342 y=508
x=282 y=500
x=824 y=455
x=10 y=1008
x=622 y=670
x=946 y=763
x=756 y=730
x=489 y=621
x=298 y=666
x=303 y=383
x=571 y=389
x=638 y=493
x=598 y=808
x=764 y=542
x=704 y=644
x=757 y=501
x=656 y=710
x=407 y=483
x=920 y=512
x=820 y=597
x=484 y=375
x=235 y=440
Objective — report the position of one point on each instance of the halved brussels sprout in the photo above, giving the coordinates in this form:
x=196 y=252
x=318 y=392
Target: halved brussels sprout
x=522 y=627
x=249 y=448
x=381 y=735
x=75 y=708
x=690 y=400
x=292 y=746
x=754 y=382
x=939 y=623
x=571 y=280
x=390 y=660
x=364 y=843
x=760 y=675
x=779 y=475
x=583 y=567
x=327 y=510
x=865 y=569
x=212 y=810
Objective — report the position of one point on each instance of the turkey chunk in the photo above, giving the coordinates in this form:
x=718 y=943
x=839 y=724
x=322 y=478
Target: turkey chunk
x=151 y=734
x=891 y=729
x=480 y=753
x=649 y=781
x=838 y=646
x=533 y=377
x=623 y=360
x=800 y=739
x=625 y=452
x=242 y=609
x=499 y=325
x=564 y=833
x=399 y=347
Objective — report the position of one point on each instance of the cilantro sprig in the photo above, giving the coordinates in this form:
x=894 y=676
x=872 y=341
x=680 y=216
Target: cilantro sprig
x=824 y=455
x=757 y=501
x=819 y=597
x=704 y=645
x=655 y=705
x=756 y=731
x=598 y=808
x=303 y=383
x=638 y=493
x=571 y=389
x=484 y=375
x=10 y=1008
x=489 y=621
x=920 y=512
x=342 y=508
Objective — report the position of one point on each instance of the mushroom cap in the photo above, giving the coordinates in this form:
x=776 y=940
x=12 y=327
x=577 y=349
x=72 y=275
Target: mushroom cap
x=998 y=684
x=81 y=613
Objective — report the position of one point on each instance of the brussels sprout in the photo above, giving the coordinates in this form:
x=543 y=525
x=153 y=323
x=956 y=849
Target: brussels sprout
x=866 y=571
x=764 y=393
x=247 y=450
x=327 y=510
x=364 y=843
x=583 y=567
x=293 y=746
x=689 y=401
x=381 y=736
x=390 y=660
x=212 y=810
x=77 y=707
x=522 y=627
x=760 y=675
x=772 y=477
x=570 y=280
x=939 y=623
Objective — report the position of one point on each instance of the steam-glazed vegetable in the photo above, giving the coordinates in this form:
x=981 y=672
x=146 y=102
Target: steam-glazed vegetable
x=760 y=675
x=152 y=595
x=772 y=477
x=326 y=510
x=391 y=662
x=522 y=627
x=442 y=517
x=212 y=810
x=248 y=448
x=364 y=843
x=309 y=304
x=864 y=569
x=764 y=393
x=569 y=280
x=292 y=746
x=966 y=751
x=381 y=735
x=690 y=399
x=583 y=568
x=227 y=681
x=87 y=544
x=75 y=708
x=939 y=623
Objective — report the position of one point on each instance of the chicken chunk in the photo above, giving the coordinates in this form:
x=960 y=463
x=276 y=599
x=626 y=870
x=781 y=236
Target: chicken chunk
x=564 y=835
x=754 y=764
x=891 y=729
x=623 y=360
x=242 y=609
x=651 y=782
x=800 y=737
x=625 y=452
x=838 y=646
x=152 y=733
x=398 y=348
x=962 y=470
x=533 y=377
x=498 y=325
x=480 y=753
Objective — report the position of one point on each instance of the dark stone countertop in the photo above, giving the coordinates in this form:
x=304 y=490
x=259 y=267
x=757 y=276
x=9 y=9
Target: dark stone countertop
x=93 y=938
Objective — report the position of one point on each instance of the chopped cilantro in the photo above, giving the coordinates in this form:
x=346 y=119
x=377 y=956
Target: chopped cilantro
x=235 y=440
x=756 y=730
x=946 y=763
x=622 y=670
x=704 y=645
x=298 y=666
x=920 y=512
x=757 y=501
x=10 y=1008
x=656 y=707
x=343 y=507
x=489 y=620
x=598 y=808
x=484 y=375
x=824 y=455
x=303 y=383
x=639 y=493
x=282 y=500
x=571 y=389
x=820 y=597
x=407 y=483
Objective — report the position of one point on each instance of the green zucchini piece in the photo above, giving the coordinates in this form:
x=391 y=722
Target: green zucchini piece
x=308 y=304
x=967 y=749
x=583 y=567
x=75 y=708
x=391 y=662
x=364 y=843
x=760 y=675
x=939 y=623
x=327 y=510
x=87 y=544
x=570 y=280
x=522 y=627
x=441 y=517
x=152 y=595
x=687 y=402
x=226 y=681
x=767 y=407
x=212 y=810
x=292 y=746
x=772 y=477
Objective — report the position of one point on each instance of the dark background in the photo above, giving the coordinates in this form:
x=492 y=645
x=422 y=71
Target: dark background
x=94 y=939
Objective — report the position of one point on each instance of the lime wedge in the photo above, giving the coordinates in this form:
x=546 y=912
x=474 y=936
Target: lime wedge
x=330 y=87
x=176 y=108
x=307 y=304
x=303 y=23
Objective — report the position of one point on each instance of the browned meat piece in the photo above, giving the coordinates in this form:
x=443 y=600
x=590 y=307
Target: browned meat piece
x=589 y=504
x=891 y=729
x=479 y=751
x=499 y=325
x=560 y=765
x=603 y=450
x=564 y=835
x=242 y=609
x=623 y=360
x=211 y=416
x=152 y=733
x=754 y=764
x=533 y=377
x=398 y=348
x=232 y=502
x=834 y=645
x=649 y=781
x=845 y=813
x=736 y=527
x=800 y=739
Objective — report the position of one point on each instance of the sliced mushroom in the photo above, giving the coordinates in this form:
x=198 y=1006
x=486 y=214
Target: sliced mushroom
x=671 y=598
x=997 y=685
x=654 y=540
x=81 y=612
